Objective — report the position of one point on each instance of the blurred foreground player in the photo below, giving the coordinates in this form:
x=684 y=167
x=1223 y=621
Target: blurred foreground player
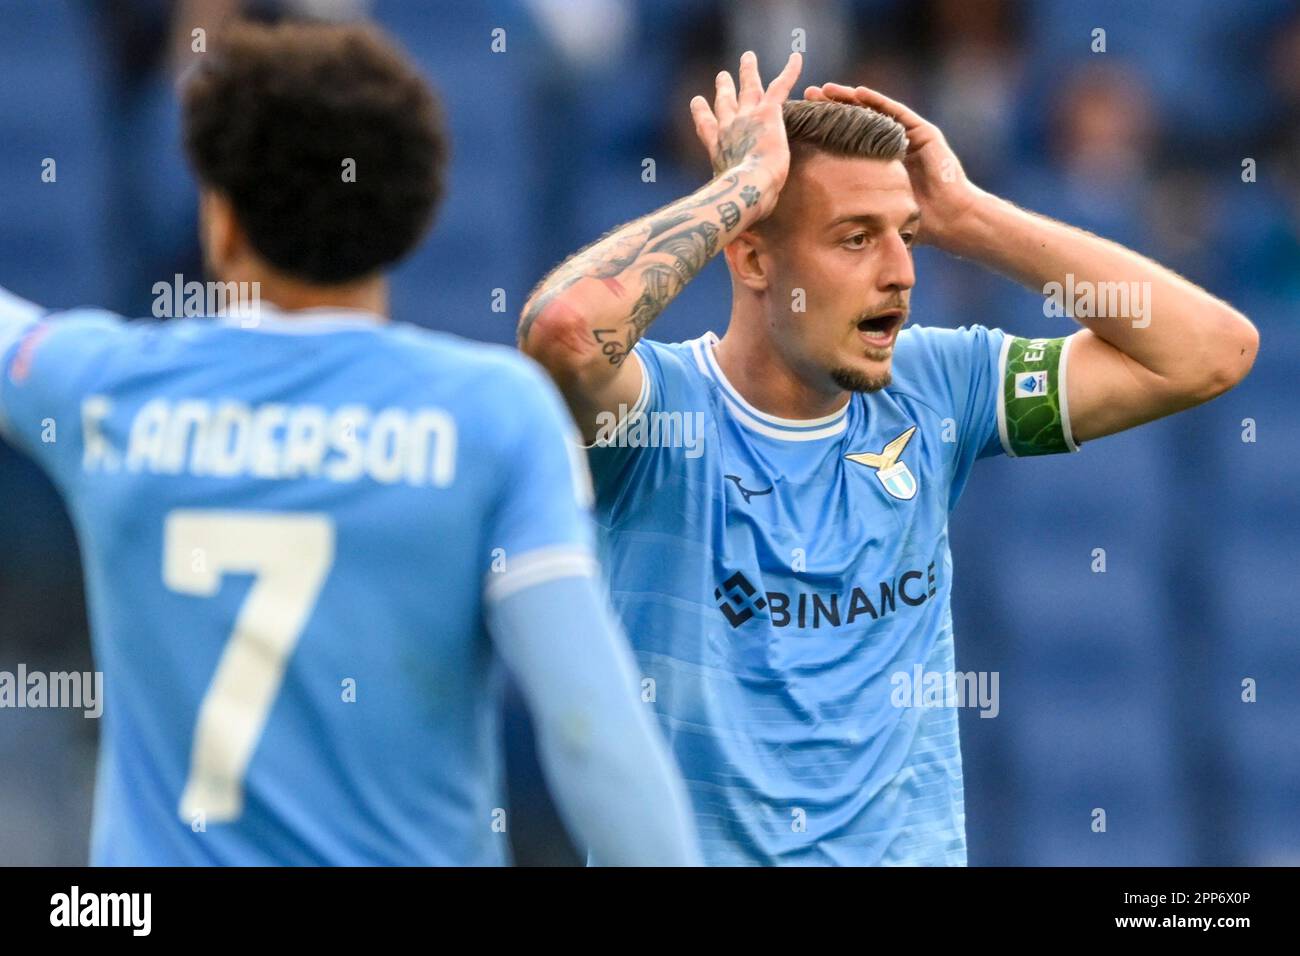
x=781 y=565
x=300 y=524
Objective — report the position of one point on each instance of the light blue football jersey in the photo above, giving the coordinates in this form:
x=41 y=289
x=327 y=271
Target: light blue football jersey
x=286 y=531
x=782 y=581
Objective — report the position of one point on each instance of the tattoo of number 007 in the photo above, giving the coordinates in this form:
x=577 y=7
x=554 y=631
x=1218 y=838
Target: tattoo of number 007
x=610 y=346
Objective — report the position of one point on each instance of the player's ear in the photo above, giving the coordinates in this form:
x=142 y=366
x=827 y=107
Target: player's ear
x=745 y=257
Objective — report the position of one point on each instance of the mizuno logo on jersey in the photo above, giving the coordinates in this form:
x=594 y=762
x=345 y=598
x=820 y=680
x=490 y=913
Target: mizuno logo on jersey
x=893 y=474
x=748 y=492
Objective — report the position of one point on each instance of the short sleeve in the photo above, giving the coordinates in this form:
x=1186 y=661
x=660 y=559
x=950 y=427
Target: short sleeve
x=632 y=437
x=47 y=368
x=955 y=371
x=540 y=526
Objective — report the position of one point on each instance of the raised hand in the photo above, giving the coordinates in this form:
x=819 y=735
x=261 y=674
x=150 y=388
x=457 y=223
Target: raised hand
x=942 y=190
x=748 y=127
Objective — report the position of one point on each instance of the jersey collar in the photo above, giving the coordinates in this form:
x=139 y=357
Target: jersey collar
x=269 y=318
x=785 y=429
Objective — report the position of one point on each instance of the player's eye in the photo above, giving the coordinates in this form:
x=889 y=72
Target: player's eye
x=856 y=241
x=908 y=238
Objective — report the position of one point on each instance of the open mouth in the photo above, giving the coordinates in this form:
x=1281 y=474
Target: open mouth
x=879 y=330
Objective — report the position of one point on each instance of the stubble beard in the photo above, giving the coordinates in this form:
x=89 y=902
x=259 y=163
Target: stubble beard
x=856 y=380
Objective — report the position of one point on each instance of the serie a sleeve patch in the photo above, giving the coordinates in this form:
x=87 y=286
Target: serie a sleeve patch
x=1033 y=413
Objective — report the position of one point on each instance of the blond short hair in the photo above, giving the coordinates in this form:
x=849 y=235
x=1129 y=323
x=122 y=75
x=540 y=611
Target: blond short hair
x=841 y=129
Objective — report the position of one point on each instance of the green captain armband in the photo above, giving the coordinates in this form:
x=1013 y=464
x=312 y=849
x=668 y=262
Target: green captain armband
x=1033 y=416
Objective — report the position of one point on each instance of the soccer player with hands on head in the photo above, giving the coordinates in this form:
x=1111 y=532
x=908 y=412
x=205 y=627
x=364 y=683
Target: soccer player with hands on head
x=775 y=585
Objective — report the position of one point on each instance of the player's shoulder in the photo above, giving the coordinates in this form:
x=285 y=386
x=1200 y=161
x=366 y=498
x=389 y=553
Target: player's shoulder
x=495 y=384
x=923 y=352
x=90 y=321
x=685 y=355
x=70 y=340
x=464 y=360
x=921 y=341
x=937 y=366
x=678 y=368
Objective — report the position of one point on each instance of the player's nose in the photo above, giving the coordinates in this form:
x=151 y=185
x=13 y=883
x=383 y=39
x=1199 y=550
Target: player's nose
x=896 y=270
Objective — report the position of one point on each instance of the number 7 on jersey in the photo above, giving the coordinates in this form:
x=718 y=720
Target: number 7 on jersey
x=289 y=556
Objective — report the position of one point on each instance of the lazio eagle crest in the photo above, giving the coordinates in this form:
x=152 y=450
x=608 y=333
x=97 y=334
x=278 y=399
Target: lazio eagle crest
x=893 y=474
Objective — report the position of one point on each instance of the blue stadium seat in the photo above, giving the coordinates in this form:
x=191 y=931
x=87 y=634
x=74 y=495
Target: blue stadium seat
x=1100 y=742
x=485 y=237
x=54 y=242
x=1251 y=542
x=1223 y=39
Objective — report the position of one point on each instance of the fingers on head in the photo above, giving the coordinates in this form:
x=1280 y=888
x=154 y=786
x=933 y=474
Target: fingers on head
x=883 y=104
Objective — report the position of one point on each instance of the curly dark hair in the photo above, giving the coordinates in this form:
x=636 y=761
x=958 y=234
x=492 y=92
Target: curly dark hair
x=273 y=114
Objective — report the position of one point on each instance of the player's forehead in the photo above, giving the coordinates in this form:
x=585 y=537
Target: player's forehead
x=829 y=190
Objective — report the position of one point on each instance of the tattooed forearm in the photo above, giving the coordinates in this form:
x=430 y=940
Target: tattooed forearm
x=675 y=242
x=605 y=258
x=730 y=214
x=610 y=346
x=691 y=248
x=721 y=187
x=623 y=250
x=660 y=284
x=663 y=224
